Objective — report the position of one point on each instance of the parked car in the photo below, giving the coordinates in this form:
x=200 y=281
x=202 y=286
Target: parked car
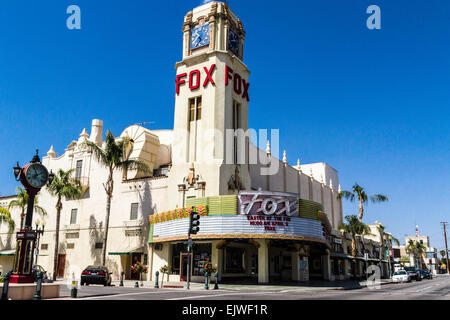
x=37 y=268
x=414 y=273
x=401 y=276
x=426 y=274
x=96 y=275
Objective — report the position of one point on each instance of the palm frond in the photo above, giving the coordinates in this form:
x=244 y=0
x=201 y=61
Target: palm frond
x=65 y=186
x=21 y=200
x=98 y=152
x=395 y=240
x=5 y=217
x=346 y=195
x=134 y=165
x=379 y=198
x=40 y=211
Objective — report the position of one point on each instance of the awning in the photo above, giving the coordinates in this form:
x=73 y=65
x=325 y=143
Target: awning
x=341 y=255
x=9 y=253
x=127 y=252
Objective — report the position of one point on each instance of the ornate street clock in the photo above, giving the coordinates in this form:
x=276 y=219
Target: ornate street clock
x=33 y=176
x=233 y=42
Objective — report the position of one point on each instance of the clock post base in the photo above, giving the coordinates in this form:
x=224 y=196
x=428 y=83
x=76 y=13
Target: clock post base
x=18 y=278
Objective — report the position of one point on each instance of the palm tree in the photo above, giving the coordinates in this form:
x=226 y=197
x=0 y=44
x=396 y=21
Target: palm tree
x=355 y=228
x=411 y=248
x=417 y=249
x=114 y=157
x=362 y=197
x=21 y=202
x=63 y=185
x=5 y=217
x=388 y=241
x=420 y=249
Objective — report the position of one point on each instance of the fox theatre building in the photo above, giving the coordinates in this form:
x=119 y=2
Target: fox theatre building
x=255 y=236
x=256 y=224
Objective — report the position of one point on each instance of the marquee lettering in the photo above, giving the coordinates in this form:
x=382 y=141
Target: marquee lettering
x=240 y=86
x=267 y=204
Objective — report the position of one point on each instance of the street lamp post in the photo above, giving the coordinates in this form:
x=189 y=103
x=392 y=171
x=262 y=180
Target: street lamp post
x=33 y=177
x=39 y=233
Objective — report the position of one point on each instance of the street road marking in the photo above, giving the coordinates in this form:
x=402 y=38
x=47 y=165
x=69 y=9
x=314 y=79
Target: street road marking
x=219 y=295
x=125 y=294
x=424 y=289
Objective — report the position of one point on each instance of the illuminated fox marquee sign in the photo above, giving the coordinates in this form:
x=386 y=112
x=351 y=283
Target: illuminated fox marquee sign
x=268 y=203
x=197 y=78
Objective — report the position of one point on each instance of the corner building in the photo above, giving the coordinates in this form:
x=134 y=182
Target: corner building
x=255 y=227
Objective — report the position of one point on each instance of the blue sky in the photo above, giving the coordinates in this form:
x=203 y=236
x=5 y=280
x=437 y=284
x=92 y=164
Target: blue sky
x=374 y=104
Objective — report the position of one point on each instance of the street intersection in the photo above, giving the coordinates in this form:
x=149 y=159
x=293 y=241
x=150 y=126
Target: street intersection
x=435 y=289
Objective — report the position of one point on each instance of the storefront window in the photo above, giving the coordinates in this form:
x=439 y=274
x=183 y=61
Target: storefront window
x=201 y=253
x=234 y=260
x=176 y=251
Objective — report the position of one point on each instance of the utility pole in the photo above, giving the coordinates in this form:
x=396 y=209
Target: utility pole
x=444 y=224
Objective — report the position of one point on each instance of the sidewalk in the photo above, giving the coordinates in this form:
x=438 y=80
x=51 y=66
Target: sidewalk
x=304 y=286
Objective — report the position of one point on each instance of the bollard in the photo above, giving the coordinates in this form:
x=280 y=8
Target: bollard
x=216 y=276
x=121 y=278
x=206 y=281
x=74 y=291
x=39 y=277
x=156 y=281
x=6 y=285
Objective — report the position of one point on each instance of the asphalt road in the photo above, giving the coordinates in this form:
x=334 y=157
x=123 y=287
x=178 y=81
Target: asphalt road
x=436 y=289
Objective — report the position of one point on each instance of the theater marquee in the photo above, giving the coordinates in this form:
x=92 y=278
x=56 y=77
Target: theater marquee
x=259 y=215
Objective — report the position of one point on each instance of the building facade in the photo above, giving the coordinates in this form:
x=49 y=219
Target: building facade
x=262 y=220
x=428 y=260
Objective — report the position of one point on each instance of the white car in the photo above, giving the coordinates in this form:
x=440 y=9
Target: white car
x=401 y=276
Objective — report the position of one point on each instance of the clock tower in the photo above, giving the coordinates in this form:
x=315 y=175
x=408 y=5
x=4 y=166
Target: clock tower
x=212 y=95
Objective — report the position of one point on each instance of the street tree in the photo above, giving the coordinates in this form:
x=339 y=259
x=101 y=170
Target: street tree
x=361 y=196
x=113 y=156
x=416 y=249
x=21 y=202
x=62 y=186
x=5 y=217
x=385 y=240
x=355 y=228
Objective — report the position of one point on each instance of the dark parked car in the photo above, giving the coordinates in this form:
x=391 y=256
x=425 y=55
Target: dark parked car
x=96 y=275
x=414 y=273
x=37 y=268
x=426 y=274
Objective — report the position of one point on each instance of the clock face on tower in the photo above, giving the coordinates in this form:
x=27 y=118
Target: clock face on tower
x=200 y=37
x=233 y=42
x=37 y=175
